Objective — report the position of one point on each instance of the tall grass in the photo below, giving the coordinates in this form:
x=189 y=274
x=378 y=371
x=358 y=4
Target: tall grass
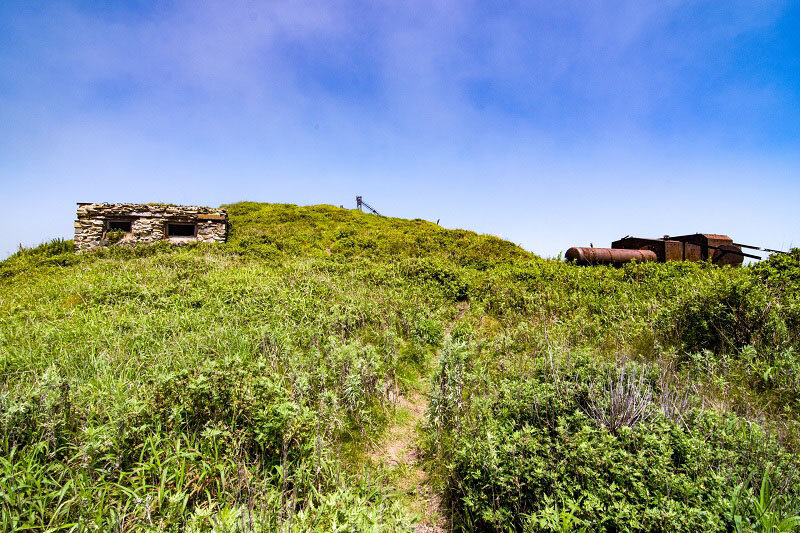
x=236 y=387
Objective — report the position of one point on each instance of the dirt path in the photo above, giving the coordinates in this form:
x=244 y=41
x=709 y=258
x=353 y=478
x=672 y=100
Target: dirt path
x=399 y=453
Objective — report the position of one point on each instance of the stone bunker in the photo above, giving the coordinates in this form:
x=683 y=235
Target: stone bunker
x=100 y=225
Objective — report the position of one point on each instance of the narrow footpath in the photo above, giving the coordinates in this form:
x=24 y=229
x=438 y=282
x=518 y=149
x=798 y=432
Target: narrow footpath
x=399 y=453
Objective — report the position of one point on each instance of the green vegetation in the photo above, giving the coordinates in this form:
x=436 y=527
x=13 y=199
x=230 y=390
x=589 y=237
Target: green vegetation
x=115 y=235
x=250 y=386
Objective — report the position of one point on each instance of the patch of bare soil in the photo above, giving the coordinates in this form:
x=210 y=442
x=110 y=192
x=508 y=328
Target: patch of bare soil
x=399 y=452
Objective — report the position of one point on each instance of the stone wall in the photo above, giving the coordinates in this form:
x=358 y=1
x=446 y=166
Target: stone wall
x=148 y=224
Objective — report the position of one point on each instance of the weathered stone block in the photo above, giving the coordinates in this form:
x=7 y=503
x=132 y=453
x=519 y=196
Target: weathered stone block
x=147 y=223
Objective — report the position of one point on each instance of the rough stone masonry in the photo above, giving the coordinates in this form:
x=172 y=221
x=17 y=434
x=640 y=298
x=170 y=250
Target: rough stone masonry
x=101 y=225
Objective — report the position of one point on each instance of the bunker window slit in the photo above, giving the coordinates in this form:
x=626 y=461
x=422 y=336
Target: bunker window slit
x=119 y=225
x=176 y=229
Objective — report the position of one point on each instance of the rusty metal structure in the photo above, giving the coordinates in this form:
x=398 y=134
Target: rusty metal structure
x=608 y=256
x=719 y=249
x=360 y=204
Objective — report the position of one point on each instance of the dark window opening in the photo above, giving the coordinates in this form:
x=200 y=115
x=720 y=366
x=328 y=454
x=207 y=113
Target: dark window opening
x=119 y=225
x=180 y=230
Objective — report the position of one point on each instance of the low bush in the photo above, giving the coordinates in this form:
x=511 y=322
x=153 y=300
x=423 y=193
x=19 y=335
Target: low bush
x=246 y=386
x=236 y=400
x=726 y=314
x=530 y=447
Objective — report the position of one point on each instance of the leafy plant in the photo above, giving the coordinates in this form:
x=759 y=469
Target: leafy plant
x=113 y=236
x=246 y=386
x=768 y=512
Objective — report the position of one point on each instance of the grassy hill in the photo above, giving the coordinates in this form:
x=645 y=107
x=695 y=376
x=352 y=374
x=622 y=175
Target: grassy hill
x=332 y=370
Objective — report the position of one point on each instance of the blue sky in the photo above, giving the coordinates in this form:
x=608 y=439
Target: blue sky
x=550 y=124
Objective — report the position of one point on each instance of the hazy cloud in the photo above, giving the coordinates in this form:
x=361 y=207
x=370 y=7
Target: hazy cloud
x=123 y=98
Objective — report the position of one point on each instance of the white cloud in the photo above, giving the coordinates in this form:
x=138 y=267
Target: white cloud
x=337 y=95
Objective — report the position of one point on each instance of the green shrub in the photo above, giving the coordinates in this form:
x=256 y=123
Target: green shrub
x=247 y=386
x=234 y=398
x=725 y=315
x=43 y=413
x=451 y=281
x=781 y=272
x=531 y=451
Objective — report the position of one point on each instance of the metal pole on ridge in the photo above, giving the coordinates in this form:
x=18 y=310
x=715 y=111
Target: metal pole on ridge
x=360 y=202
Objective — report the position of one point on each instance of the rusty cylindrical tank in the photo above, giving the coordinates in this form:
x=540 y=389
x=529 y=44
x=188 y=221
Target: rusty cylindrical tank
x=608 y=256
x=727 y=254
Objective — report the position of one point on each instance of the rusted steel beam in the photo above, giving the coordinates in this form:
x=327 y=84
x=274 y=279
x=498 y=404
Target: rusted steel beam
x=733 y=250
x=608 y=256
x=770 y=250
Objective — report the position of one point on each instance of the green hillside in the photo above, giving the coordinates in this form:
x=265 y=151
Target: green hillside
x=328 y=370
